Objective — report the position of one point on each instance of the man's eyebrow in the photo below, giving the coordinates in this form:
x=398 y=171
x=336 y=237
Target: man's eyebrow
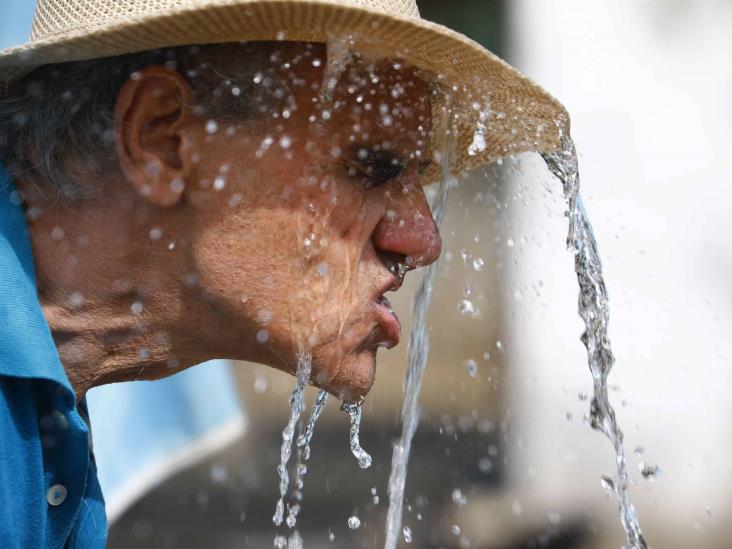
x=364 y=152
x=397 y=152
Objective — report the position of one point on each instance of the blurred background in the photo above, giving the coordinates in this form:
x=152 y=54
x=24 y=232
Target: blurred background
x=506 y=458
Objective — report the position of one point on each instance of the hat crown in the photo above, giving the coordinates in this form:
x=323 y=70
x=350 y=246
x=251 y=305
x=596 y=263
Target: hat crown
x=55 y=17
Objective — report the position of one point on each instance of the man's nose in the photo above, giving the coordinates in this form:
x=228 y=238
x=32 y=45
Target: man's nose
x=407 y=227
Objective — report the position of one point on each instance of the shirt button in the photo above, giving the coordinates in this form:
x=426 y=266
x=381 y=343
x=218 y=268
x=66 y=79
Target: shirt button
x=56 y=494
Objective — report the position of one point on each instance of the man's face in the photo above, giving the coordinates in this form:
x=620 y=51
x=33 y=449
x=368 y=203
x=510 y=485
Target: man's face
x=303 y=216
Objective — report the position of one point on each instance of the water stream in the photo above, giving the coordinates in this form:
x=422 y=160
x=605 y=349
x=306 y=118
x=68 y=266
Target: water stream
x=595 y=312
x=303 y=441
x=303 y=455
x=418 y=350
x=297 y=404
x=353 y=409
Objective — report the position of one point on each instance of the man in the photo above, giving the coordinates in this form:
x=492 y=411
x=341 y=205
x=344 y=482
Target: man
x=247 y=199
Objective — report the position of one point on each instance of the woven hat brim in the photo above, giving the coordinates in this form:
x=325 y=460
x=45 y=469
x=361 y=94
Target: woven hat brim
x=521 y=115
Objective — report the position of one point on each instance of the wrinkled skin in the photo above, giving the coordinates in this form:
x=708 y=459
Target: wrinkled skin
x=257 y=240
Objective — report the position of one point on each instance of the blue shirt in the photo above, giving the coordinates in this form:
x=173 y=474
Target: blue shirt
x=49 y=492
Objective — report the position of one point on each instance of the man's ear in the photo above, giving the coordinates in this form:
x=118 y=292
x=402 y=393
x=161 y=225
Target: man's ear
x=152 y=109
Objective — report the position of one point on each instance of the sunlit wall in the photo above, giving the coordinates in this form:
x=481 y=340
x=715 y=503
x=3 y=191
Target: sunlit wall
x=649 y=89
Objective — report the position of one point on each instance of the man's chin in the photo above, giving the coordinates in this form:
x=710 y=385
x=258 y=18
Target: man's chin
x=354 y=376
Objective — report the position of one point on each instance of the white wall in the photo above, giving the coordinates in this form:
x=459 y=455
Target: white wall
x=648 y=85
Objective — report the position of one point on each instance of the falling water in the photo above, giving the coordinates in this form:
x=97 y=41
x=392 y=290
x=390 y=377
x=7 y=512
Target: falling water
x=595 y=312
x=338 y=57
x=303 y=455
x=303 y=441
x=417 y=357
x=297 y=403
x=353 y=409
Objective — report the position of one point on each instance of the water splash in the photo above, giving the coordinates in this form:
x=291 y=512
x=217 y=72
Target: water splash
x=338 y=57
x=303 y=455
x=418 y=351
x=595 y=312
x=297 y=403
x=353 y=409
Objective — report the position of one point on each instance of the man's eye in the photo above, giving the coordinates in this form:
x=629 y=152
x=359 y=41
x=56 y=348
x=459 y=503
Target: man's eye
x=374 y=168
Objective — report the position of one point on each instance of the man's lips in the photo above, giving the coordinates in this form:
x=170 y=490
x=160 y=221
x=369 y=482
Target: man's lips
x=388 y=322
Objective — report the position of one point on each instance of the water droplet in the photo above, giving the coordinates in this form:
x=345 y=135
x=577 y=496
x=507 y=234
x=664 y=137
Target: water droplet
x=607 y=484
x=219 y=473
x=649 y=471
x=455 y=529
x=354 y=523
x=517 y=509
x=466 y=308
x=219 y=182
x=458 y=498
x=264 y=316
x=76 y=299
x=156 y=233
x=407 y=531
x=177 y=185
x=374 y=496
x=291 y=519
x=212 y=127
x=478 y=264
x=57 y=233
x=137 y=308
x=472 y=367
x=331 y=535
x=262 y=336
x=285 y=142
x=485 y=465
x=260 y=384
x=509 y=242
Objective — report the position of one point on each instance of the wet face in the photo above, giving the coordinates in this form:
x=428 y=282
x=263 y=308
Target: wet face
x=301 y=218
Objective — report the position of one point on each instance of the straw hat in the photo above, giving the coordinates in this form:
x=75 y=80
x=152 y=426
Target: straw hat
x=501 y=112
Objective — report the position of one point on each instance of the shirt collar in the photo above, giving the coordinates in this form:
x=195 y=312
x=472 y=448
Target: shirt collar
x=27 y=349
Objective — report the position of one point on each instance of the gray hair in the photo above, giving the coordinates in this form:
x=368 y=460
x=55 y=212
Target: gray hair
x=58 y=122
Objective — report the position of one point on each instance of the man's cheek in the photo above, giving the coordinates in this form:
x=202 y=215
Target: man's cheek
x=349 y=209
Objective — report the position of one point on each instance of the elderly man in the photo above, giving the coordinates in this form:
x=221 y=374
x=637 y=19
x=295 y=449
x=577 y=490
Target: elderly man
x=164 y=203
